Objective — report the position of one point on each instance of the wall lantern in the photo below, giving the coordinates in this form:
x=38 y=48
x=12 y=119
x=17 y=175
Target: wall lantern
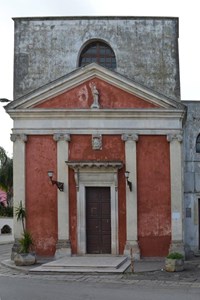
x=60 y=185
x=128 y=182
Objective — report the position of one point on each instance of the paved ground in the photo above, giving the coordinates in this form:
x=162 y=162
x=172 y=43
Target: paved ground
x=190 y=277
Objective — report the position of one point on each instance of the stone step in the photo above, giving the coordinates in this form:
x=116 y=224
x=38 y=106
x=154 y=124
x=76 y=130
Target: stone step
x=85 y=264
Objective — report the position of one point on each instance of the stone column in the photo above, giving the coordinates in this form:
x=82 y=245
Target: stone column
x=19 y=187
x=176 y=175
x=131 y=197
x=63 y=244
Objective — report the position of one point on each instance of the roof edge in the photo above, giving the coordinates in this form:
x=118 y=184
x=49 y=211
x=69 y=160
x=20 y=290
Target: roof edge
x=88 y=72
x=95 y=17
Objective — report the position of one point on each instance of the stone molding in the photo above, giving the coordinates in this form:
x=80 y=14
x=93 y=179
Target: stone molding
x=97 y=142
x=21 y=137
x=94 y=177
x=61 y=137
x=94 y=164
x=173 y=137
x=104 y=120
x=93 y=131
x=66 y=114
x=92 y=167
x=130 y=137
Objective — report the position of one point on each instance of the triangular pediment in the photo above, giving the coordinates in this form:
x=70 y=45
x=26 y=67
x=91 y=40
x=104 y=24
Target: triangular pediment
x=107 y=95
x=74 y=91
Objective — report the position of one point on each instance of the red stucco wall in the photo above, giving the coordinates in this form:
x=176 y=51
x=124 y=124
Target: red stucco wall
x=154 y=210
x=153 y=172
x=81 y=149
x=109 y=97
x=41 y=196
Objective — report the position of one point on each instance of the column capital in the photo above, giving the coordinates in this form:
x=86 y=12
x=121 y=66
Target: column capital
x=21 y=137
x=61 y=137
x=173 y=137
x=129 y=137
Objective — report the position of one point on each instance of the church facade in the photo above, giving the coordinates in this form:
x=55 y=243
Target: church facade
x=99 y=135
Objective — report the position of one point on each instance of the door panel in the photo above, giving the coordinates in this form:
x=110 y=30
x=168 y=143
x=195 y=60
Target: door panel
x=98 y=220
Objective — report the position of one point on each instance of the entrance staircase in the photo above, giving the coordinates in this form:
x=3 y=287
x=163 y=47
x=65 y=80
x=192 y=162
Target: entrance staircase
x=85 y=264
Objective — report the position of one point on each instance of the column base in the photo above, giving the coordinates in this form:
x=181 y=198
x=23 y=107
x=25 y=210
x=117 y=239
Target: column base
x=63 y=248
x=132 y=246
x=177 y=246
x=15 y=249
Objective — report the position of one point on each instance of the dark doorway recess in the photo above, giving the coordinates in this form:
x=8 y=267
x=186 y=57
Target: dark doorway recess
x=98 y=220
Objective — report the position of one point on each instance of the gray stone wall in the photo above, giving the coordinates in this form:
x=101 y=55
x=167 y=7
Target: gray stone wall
x=146 y=49
x=191 y=175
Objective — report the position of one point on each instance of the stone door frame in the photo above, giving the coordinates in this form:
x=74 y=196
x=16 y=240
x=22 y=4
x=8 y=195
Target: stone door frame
x=96 y=175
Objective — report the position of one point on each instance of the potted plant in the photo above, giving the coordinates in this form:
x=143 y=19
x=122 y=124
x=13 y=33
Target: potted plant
x=174 y=262
x=24 y=256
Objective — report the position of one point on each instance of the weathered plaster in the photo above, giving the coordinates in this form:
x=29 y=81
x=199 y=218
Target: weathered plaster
x=41 y=196
x=146 y=49
x=192 y=175
x=109 y=97
x=154 y=207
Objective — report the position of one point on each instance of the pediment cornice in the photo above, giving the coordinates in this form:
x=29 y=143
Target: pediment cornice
x=89 y=72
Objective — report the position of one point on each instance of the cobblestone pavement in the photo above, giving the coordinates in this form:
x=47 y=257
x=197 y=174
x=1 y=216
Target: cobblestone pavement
x=190 y=277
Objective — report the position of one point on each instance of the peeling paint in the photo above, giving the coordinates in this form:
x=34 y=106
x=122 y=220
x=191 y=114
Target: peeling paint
x=41 y=196
x=154 y=203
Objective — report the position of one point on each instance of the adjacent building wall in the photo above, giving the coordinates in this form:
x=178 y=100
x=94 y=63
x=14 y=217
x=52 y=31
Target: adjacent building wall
x=192 y=176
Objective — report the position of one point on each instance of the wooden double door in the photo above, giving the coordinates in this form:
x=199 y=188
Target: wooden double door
x=98 y=220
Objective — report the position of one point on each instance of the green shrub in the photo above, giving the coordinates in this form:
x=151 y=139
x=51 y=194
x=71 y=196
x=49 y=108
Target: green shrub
x=26 y=242
x=175 y=255
x=6 y=211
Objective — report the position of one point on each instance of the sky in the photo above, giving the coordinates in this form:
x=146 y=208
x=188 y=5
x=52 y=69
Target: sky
x=189 y=38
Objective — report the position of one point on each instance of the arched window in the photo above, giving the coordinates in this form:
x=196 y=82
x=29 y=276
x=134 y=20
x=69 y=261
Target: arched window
x=198 y=144
x=99 y=53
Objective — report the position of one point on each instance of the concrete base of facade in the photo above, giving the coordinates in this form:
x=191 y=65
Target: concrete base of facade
x=132 y=250
x=15 y=248
x=63 y=248
x=177 y=246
